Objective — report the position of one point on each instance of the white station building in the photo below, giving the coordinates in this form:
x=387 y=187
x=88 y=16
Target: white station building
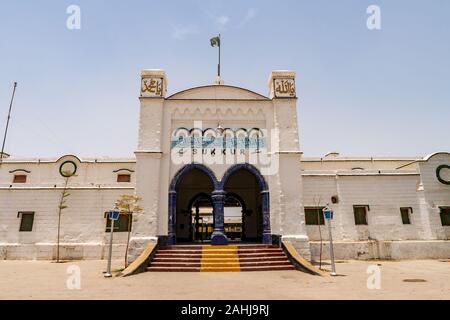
x=221 y=164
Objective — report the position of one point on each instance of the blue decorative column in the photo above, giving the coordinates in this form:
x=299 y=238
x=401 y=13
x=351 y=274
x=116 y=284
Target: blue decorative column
x=218 y=200
x=266 y=234
x=171 y=234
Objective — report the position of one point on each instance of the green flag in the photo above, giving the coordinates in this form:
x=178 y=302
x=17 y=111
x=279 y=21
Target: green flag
x=215 y=42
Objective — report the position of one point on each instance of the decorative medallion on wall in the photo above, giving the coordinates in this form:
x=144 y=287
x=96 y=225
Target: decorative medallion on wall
x=284 y=88
x=152 y=87
x=68 y=168
x=443 y=174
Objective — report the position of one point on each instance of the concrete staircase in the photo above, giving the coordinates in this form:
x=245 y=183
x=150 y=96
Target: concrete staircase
x=207 y=258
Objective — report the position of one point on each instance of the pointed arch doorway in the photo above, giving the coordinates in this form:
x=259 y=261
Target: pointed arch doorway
x=238 y=206
x=246 y=183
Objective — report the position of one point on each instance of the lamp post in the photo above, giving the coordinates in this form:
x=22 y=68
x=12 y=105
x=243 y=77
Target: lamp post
x=328 y=213
x=113 y=216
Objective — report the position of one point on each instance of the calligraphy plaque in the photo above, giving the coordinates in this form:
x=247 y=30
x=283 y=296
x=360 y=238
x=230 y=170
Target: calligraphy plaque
x=284 y=88
x=152 y=87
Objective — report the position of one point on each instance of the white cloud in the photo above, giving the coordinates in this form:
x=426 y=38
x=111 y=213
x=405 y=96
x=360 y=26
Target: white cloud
x=251 y=13
x=222 y=21
x=180 y=32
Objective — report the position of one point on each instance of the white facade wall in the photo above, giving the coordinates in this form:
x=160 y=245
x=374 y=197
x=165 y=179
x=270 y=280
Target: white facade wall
x=384 y=191
x=92 y=192
x=384 y=195
x=83 y=223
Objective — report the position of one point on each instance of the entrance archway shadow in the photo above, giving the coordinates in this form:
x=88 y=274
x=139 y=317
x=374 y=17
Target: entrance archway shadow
x=263 y=207
x=218 y=195
x=210 y=184
x=201 y=219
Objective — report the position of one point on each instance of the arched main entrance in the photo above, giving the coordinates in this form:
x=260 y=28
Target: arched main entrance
x=242 y=189
x=186 y=186
x=246 y=182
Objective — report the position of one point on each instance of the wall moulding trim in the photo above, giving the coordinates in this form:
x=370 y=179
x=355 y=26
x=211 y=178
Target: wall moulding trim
x=285 y=98
x=19 y=170
x=234 y=88
x=123 y=169
x=61 y=188
x=288 y=152
x=253 y=112
x=231 y=99
x=45 y=161
x=350 y=174
x=155 y=153
x=152 y=98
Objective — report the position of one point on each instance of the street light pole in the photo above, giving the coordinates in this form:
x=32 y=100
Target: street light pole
x=328 y=213
x=113 y=215
x=108 y=269
x=333 y=266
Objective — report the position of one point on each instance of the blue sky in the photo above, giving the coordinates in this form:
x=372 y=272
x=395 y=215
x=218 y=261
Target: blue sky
x=361 y=92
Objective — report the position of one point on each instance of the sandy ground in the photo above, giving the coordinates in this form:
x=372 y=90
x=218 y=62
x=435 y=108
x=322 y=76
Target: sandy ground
x=47 y=280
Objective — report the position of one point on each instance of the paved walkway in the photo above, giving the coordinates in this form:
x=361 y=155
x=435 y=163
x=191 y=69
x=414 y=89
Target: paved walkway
x=46 y=280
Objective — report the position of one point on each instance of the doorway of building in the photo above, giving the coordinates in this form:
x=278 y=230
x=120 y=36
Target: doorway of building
x=233 y=217
x=194 y=212
x=242 y=189
x=202 y=218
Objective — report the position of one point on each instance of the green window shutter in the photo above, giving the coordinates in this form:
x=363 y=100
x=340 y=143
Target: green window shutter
x=405 y=215
x=360 y=213
x=26 y=223
x=314 y=216
x=445 y=216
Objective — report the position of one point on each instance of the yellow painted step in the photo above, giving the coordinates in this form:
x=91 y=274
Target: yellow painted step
x=209 y=247
x=227 y=260
x=220 y=265
x=219 y=259
x=220 y=269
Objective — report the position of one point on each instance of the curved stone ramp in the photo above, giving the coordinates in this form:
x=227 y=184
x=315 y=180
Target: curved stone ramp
x=299 y=262
x=140 y=264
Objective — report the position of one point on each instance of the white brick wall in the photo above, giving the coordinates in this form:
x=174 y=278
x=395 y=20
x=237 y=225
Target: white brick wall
x=95 y=190
x=92 y=192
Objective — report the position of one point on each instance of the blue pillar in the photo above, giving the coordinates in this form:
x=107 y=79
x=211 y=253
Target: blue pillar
x=266 y=234
x=218 y=236
x=171 y=233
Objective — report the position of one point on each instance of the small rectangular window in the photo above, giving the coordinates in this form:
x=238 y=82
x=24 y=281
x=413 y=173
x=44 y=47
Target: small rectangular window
x=123 y=224
x=20 y=178
x=360 y=213
x=445 y=216
x=314 y=215
x=406 y=215
x=123 y=178
x=26 y=222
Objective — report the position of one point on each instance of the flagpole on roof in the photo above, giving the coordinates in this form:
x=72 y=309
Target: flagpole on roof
x=7 y=123
x=215 y=42
x=218 y=67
